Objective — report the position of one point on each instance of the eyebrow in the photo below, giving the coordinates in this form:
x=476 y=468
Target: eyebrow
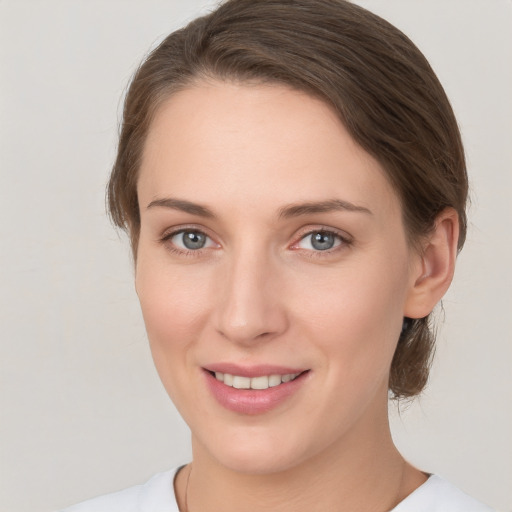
x=290 y=211
x=296 y=210
x=182 y=205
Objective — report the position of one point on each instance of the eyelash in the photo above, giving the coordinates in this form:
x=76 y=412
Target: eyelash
x=182 y=252
x=344 y=242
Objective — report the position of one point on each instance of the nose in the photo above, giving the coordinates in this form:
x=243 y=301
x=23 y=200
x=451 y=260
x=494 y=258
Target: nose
x=250 y=307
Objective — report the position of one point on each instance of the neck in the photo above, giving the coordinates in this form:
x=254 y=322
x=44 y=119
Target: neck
x=363 y=472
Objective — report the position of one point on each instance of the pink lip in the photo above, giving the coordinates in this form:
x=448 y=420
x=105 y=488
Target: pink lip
x=252 y=401
x=252 y=371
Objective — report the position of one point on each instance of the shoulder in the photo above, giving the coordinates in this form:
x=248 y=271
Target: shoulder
x=156 y=495
x=438 y=495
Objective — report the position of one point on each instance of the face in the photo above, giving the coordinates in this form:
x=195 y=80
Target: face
x=273 y=273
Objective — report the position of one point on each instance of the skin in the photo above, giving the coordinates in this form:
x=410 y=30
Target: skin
x=259 y=292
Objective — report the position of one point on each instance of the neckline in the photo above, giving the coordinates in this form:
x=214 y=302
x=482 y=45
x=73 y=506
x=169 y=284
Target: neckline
x=411 y=498
x=408 y=500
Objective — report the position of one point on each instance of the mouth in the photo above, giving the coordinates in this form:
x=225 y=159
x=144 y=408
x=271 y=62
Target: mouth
x=261 y=382
x=257 y=391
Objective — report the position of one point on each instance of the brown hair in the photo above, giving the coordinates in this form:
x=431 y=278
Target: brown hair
x=379 y=83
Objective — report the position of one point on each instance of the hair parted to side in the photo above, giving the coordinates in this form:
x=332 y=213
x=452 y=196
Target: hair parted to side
x=381 y=86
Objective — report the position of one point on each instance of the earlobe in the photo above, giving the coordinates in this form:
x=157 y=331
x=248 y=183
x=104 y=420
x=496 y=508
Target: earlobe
x=432 y=276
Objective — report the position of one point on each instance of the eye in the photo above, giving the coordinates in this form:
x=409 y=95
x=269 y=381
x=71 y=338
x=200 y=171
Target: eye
x=191 y=240
x=320 y=241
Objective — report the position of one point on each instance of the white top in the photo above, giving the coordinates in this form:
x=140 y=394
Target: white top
x=157 y=495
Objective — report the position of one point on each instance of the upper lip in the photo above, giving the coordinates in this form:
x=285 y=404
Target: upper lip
x=256 y=370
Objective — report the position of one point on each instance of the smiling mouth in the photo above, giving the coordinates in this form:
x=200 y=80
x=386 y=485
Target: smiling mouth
x=261 y=382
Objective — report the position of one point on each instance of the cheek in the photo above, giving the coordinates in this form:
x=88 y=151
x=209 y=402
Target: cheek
x=356 y=328
x=172 y=298
x=355 y=316
x=175 y=306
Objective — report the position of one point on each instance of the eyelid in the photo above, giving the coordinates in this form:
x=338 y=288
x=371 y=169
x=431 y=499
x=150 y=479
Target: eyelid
x=174 y=230
x=169 y=233
x=346 y=239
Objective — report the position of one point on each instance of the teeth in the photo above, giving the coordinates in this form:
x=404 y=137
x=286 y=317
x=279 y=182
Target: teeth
x=263 y=382
x=241 y=382
x=274 y=380
x=259 y=382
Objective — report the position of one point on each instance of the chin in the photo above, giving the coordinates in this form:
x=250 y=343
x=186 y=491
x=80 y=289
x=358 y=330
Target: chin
x=254 y=450
x=257 y=462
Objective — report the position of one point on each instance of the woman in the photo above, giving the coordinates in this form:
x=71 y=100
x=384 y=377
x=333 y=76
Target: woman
x=292 y=179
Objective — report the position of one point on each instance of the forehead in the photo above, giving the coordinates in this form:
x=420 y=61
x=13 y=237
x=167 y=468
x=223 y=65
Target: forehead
x=240 y=143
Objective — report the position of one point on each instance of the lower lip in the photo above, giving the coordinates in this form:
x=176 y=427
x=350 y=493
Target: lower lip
x=252 y=401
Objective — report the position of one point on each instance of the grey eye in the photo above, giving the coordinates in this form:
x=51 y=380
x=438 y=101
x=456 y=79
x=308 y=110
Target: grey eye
x=322 y=241
x=190 y=240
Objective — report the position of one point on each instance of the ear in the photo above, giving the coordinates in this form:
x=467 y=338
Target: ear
x=433 y=270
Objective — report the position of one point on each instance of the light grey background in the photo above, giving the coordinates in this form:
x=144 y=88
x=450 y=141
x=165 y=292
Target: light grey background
x=82 y=410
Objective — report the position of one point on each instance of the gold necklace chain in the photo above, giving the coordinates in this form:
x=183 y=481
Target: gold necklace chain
x=396 y=501
x=186 y=489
